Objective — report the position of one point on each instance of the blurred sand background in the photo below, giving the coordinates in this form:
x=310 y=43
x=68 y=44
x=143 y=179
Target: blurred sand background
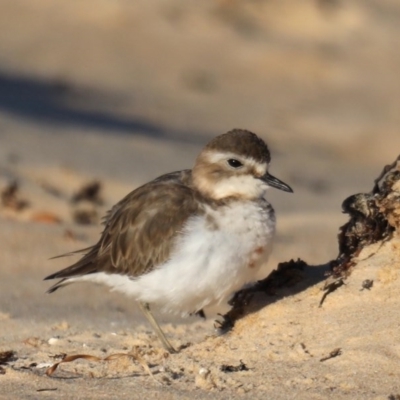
x=122 y=91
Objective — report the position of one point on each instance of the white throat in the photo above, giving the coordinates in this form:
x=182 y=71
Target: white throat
x=242 y=186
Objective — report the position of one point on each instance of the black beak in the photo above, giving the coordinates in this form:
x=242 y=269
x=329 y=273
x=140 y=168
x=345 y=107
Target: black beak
x=276 y=183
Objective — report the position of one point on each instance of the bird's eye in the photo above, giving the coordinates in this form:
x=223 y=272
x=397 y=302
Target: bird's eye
x=235 y=163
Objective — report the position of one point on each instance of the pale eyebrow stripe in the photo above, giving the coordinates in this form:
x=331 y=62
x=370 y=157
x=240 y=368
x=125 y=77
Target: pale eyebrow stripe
x=216 y=156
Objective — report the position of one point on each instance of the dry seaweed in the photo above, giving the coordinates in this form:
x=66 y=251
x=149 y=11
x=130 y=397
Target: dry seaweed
x=85 y=216
x=10 y=197
x=374 y=216
x=6 y=356
x=287 y=274
x=90 y=192
x=231 y=368
x=330 y=286
x=334 y=353
x=133 y=354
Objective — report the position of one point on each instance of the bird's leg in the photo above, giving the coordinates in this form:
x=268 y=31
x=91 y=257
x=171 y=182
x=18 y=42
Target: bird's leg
x=146 y=311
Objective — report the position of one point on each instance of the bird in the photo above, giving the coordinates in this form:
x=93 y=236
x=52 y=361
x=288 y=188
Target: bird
x=188 y=240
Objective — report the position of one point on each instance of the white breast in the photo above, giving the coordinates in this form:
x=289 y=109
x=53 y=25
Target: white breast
x=214 y=257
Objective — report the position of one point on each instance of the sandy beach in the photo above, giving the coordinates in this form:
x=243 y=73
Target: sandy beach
x=98 y=97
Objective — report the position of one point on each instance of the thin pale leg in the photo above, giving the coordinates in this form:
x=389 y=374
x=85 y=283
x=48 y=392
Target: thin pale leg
x=166 y=344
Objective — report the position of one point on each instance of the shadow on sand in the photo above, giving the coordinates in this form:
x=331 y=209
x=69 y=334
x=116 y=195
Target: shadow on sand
x=55 y=102
x=290 y=278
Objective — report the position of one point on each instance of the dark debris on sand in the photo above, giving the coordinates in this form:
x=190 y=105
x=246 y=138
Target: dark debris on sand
x=86 y=202
x=374 y=216
x=10 y=197
x=5 y=358
x=90 y=192
x=234 y=368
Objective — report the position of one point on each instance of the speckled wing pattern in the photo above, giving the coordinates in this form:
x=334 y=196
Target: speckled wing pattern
x=140 y=230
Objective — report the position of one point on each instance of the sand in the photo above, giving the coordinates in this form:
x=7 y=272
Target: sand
x=120 y=92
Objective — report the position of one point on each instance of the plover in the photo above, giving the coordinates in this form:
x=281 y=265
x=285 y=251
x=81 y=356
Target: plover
x=188 y=240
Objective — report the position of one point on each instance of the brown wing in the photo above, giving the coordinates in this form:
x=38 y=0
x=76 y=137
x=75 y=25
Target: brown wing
x=140 y=230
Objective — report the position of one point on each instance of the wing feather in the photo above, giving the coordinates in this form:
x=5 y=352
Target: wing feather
x=140 y=231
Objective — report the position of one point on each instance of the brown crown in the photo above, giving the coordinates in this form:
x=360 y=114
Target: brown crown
x=241 y=142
